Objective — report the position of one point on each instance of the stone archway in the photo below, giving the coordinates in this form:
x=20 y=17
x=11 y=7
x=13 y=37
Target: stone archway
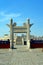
x=19 y=29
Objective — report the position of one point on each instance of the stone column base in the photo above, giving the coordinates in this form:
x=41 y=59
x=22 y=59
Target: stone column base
x=28 y=44
x=10 y=50
x=42 y=49
x=11 y=44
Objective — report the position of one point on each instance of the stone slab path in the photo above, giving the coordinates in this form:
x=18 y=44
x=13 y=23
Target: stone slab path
x=21 y=56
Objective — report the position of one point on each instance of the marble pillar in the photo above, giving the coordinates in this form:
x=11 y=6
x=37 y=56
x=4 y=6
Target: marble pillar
x=11 y=34
x=22 y=41
x=28 y=33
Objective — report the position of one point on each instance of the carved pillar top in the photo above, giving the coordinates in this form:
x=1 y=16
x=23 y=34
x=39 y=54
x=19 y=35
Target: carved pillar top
x=28 y=21
x=11 y=21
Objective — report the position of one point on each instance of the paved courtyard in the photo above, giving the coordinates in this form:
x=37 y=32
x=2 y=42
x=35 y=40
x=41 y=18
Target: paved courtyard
x=21 y=56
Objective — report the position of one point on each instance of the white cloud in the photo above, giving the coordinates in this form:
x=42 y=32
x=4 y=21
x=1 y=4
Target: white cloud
x=4 y=16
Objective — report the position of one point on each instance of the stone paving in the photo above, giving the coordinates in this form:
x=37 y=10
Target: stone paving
x=21 y=56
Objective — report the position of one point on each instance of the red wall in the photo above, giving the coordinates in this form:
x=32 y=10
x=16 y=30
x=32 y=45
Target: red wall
x=4 y=45
x=39 y=45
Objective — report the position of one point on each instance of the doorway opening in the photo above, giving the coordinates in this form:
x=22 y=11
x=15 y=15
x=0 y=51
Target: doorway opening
x=25 y=43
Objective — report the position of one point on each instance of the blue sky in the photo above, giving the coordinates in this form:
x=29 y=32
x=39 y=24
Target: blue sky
x=20 y=10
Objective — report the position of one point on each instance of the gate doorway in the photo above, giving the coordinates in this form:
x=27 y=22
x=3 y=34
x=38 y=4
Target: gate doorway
x=19 y=40
x=25 y=43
